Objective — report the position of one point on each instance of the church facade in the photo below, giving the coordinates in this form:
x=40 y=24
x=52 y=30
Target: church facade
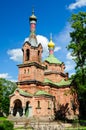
x=44 y=91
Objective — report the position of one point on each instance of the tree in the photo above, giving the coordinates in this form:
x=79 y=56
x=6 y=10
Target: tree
x=1 y=97
x=78 y=50
x=6 y=88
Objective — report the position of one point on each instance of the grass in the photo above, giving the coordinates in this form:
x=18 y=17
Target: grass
x=22 y=128
x=76 y=128
x=3 y=118
x=70 y=128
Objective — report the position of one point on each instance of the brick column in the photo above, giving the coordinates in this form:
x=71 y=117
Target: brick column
x=11 y=111
x=23 y=111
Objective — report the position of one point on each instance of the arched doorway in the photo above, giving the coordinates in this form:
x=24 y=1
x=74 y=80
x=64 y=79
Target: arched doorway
x=27 y=108
x=17 y=108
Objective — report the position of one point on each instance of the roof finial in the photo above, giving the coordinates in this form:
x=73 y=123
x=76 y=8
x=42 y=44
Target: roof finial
x=33 y=10
x=50 y=36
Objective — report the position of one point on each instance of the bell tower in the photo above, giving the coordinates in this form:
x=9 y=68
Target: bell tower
x=32 y=50
x=32 y=68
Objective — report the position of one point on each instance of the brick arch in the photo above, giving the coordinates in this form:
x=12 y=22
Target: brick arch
x=15 y=98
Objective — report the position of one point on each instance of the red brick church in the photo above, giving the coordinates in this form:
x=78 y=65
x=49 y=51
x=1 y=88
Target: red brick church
x=44 y=90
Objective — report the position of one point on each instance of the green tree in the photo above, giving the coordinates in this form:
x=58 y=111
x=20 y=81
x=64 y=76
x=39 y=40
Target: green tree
x=6 y=88
x=1 y=97
x=78 y=50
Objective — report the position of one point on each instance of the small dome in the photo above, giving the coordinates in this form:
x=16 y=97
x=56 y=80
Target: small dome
x=33 y=17
x=51 y=44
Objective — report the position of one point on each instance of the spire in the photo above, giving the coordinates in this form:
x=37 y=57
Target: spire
x=33 y=20
x=32 y=38
x=51 y=45
x=50 y=36
x=33 y=17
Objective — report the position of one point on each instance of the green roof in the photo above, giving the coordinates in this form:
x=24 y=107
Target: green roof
x=61 y=83
x=41 y=92
x=52 y=59
x=23 y=92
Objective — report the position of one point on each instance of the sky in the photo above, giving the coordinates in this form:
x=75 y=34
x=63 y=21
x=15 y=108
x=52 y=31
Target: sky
x=52 y=17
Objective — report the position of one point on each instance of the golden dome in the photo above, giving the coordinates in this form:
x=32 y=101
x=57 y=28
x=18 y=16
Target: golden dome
x=51 y=44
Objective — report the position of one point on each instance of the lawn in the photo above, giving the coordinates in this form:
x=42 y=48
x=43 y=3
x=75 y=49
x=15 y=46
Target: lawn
x=3 y=118
x=77 y=128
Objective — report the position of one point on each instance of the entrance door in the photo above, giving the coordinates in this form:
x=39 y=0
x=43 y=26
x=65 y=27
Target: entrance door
x=17 y=108
x=27 y=109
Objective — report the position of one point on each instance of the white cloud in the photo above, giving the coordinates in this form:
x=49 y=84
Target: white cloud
x=15 y=54
x=57 y=49
x=13 y=80
x=77 y=4
x=5 y=75
x=69 y=65
x=68 y=56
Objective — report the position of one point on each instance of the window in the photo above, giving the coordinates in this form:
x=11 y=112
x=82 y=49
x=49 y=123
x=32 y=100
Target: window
x=28 y=71
x=38 y=53
x=49 y=105
x=24 y=71
x=27 y=54
x=38 y=105
x=46 y=67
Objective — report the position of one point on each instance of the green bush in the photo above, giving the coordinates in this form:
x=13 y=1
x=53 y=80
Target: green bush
x=2 y=127
x=6 y=125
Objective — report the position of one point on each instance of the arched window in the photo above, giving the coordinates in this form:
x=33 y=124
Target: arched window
x=49 y=105
x=38 y=106
x=24 y=71
x=28 y=71
x=27 y=54
x=38 y=53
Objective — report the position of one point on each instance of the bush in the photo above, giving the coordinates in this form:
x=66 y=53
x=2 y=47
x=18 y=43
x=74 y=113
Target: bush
x=6 y=125
x=2 y=127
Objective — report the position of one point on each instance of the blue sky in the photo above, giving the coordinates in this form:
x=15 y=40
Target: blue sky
x=52 y=15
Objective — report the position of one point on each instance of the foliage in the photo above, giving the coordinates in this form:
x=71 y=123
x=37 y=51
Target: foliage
x=6 y=88
x=61 y=113
x=78 y=51
x=1 y=96
x=3 y=118
x=6 y=125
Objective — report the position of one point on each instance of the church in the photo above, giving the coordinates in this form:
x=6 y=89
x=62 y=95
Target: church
x=44 y=90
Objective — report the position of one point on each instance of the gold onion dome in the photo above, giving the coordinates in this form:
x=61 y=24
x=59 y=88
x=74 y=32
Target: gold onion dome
x=51 y=44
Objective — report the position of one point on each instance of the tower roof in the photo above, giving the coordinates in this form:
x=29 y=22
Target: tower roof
x=52 y=60
x=59 y=84
x=41 y=92
x=32 y=37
